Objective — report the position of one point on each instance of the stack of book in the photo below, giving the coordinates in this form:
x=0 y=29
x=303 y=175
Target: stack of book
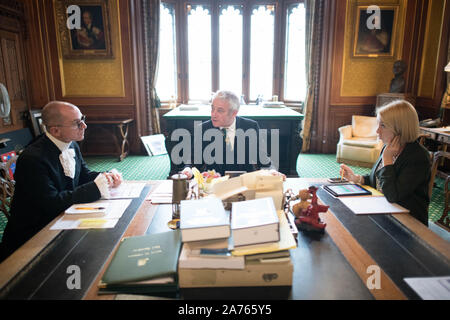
x=205 y=233
x=254 y=222
x=257 y=253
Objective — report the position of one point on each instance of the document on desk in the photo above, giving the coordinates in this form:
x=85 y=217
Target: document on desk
x=431 y=288
x=372 y=205
x=126 y=190
x=162 y=193
x=114 y=211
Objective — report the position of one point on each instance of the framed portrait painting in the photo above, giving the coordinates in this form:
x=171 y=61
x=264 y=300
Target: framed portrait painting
x=84 y=28
x=378 y=41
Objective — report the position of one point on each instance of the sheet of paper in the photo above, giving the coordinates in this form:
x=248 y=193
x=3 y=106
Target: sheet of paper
x=90 y=223
x=160 y=200
x=371 y=205
x=127 y=190
x=117 y=208
x=114 y=212
x=92 y=207
x=432 y=288
x=162 y=193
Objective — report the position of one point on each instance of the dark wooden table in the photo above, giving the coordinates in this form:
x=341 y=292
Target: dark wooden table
x=116 y=132
x=336 y=265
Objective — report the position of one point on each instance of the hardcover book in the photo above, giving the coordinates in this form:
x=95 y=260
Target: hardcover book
x=254 y=221
x=144 y=264
x=203 y=219
x=209 y=259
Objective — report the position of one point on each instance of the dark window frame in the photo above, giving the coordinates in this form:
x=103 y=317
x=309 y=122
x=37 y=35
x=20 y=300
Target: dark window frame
x=279 y=45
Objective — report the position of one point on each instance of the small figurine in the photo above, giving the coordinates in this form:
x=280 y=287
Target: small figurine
x=308 y=219
x=304 y=196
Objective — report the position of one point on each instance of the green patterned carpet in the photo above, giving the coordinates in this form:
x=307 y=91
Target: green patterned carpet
x=308 y=165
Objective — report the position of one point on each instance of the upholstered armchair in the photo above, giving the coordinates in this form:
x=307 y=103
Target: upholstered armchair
x=358 y=143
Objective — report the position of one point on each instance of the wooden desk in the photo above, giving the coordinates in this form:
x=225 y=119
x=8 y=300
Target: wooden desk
x=116 y=133
x=286 y=120
x=441 y=135
x=334 y=266
x=436 y=134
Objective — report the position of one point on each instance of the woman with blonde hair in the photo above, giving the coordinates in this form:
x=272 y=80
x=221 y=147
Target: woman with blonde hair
x=402 y=172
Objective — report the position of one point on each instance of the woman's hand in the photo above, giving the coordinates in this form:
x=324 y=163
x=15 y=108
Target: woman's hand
x=348 y=174
x=391 y=151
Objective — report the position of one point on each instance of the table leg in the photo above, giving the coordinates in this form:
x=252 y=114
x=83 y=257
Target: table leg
x=123 y=128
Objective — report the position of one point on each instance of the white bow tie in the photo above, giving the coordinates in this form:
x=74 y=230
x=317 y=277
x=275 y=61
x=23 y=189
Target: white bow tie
x=67 y=159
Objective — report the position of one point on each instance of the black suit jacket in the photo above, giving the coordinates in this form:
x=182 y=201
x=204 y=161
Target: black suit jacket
x=42 y=191
x=243 y=152
x=406 y=181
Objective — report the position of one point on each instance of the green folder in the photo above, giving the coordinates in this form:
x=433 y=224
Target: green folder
x=144 y=264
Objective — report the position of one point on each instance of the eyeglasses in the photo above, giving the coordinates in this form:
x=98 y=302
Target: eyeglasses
x=78 y=123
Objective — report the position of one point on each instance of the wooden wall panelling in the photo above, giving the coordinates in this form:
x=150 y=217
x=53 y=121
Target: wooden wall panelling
x=413 y=41
x=36 y=50
x=119 y=104
x=428 y=102
x=13 y=63
x=124 y=54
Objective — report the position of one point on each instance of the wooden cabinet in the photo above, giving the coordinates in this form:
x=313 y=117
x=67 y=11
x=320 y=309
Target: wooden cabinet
x=12 y=65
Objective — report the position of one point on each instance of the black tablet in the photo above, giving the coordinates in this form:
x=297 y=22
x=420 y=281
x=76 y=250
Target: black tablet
x=347 y=189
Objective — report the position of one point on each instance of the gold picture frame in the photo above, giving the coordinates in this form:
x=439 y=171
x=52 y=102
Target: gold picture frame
x=93 y=39
x=375 y=43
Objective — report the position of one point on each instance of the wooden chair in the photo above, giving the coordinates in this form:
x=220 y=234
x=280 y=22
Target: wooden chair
x=437 y=157
x=7 y=185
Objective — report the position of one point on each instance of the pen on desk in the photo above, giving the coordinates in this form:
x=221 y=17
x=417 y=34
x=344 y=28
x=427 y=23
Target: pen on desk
x=90 y=208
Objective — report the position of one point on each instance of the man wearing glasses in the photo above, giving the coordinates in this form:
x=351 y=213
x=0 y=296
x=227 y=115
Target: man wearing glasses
x=51 y=175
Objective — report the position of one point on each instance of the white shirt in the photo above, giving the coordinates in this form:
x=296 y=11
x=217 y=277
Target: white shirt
x=67 y=159
x=231 y=133
x=67 y=156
